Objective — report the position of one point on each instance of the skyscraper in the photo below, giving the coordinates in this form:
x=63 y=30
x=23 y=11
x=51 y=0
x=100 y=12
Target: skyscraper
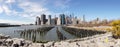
x=62 y=19
x=49 y=20
x=68 y=20
x=83 y=18
x=74 y=20
x=56 y=18
x=43 y=19
x=38 y=22
x=59 y=21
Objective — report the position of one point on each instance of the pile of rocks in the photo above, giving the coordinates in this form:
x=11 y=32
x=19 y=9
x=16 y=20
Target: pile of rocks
x=103 y=40
x=6 y=41
x=4 y=36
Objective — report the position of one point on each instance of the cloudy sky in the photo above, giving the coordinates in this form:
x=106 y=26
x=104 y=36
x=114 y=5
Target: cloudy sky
x=25 y=11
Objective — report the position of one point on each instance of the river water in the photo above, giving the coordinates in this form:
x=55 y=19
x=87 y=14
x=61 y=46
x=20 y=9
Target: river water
x=48 y=36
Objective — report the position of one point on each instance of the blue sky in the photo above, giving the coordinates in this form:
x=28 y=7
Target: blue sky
x=25 y=11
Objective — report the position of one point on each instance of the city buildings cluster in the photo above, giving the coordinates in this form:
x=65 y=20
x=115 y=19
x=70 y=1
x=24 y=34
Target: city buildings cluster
x=61 y=20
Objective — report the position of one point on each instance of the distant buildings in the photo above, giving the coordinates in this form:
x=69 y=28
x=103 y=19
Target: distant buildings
x=38 y=21
x=84 y=19
x=95 y=21
x=53 y=22
x=61 y=20
x=74 y=21
x=64 y=19
x=68 y=20
x=56 y=18
x=43 y=19
x=49 y=20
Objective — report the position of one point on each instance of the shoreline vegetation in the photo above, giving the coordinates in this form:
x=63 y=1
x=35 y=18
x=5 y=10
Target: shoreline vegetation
x=82 y=32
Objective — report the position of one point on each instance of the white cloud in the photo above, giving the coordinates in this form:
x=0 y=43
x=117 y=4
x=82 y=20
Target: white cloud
x=13 y=21
x=6 y=9
x=32 y=7
x=9 y=1
x=1 y=0
x=1 y=10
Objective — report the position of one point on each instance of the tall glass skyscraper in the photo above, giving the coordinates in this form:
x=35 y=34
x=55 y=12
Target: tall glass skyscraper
x=38 y=22
x=62 y=19
x=43 y=19
x=49 y=20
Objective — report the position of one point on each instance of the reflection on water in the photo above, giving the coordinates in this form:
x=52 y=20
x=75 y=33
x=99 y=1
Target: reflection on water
x=66 y=34
x=45 y=34
x=60 y=35
x=36 y=35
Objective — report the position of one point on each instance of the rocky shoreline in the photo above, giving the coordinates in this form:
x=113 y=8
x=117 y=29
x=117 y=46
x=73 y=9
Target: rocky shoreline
x=102 y=40
x=7 y=41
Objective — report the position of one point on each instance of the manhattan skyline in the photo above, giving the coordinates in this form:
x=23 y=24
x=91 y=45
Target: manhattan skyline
x=25 y=11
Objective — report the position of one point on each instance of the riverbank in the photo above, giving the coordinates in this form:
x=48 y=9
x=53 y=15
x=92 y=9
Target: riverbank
x=99 y=28
x=10 y=25
x=102 y=40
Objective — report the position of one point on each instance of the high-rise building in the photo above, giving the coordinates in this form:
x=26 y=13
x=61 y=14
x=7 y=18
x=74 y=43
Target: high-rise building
x=74 y=20
x=95 y=21
x=79 y=20
x=49 y=20
x=59 y=21
x=67 y=20
x=56 y=18
x=43 y=19
x=83 y=18
x=52 y=21
x=38 y=22
x=62 y=19
x=70 y=19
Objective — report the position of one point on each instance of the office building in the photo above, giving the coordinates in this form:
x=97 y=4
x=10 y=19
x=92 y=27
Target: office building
x=74 y=20
x=43 y=19
x=83 y=18
x=49 y=20
x=62 y=19
x=59 y=21
x=56 y=18
x=38 y=22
